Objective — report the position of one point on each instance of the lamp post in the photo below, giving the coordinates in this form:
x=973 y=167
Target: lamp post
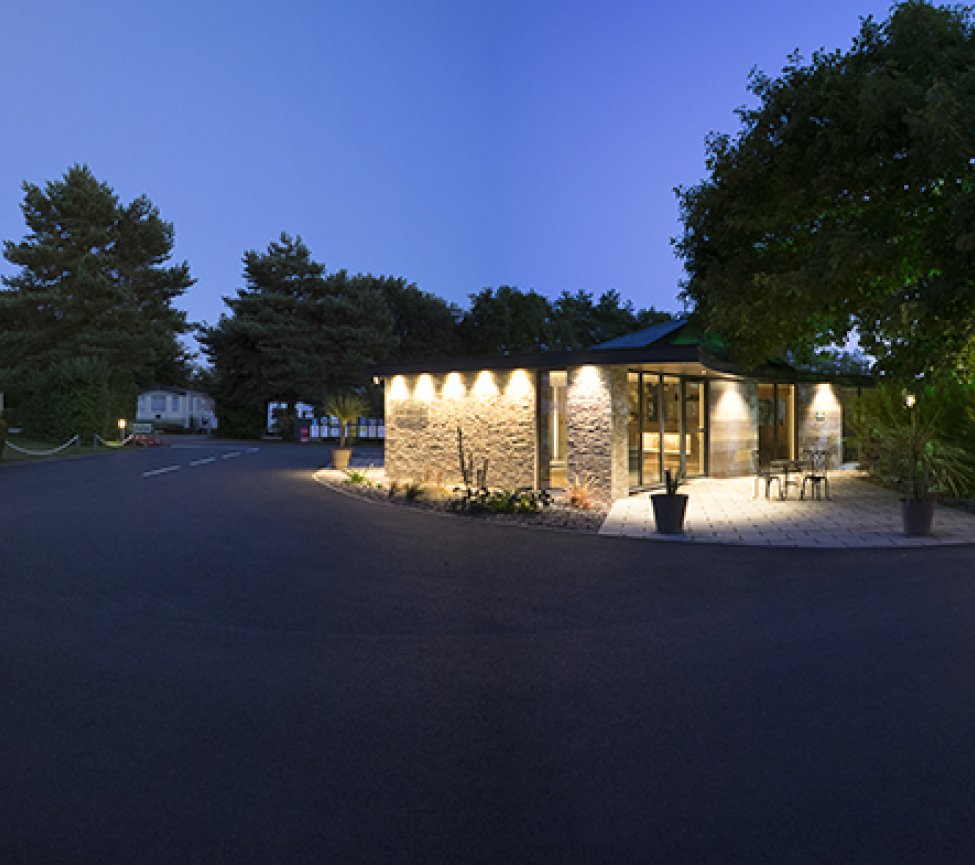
x=121 y=428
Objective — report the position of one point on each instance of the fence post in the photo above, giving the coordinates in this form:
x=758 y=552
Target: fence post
x=94 y=442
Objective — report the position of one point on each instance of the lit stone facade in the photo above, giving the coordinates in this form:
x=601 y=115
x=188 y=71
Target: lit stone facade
x=596 y=428
x=819 y=412
x=495 y=410
x=733 y=413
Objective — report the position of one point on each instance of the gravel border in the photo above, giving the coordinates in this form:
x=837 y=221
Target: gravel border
x=558 y=517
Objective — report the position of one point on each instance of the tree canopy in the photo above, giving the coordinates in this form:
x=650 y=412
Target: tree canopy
x=295 y=332
x=93 y=283
x=845 y=202
x=508 y=320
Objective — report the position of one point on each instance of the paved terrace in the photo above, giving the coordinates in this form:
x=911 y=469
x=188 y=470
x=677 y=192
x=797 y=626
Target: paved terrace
x=859 y=514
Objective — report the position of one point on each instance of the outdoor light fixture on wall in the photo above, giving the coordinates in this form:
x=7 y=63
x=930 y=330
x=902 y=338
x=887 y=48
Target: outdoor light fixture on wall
x=519 y=385
x=398 y=389
x=453 y=386
x=424 y=388
x=485 y=387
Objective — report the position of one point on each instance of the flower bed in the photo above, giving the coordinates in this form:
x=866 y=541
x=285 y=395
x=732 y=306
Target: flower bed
x=559 y=516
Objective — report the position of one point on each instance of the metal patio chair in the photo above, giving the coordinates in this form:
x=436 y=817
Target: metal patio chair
x=817 y=475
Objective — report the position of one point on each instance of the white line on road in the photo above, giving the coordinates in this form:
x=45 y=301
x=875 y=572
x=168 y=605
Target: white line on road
x=161 y=471
x=252 y=450
x=203 y=462
x=232 y=454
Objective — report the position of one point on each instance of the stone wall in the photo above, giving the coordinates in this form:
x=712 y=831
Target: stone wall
x=596 y=428
x=819 y=413
x=496 y=411
x=733 y=409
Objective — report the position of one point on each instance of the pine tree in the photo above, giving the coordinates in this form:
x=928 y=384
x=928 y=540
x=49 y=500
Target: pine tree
x=92 y=284
x=295 y=333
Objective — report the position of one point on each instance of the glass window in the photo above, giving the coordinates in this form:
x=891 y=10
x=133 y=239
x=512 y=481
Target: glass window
x=552 y=429
x=176 y=403
x=651 y=428
x=159 y=403
x=633 y=428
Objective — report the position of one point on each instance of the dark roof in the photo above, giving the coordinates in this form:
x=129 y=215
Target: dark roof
x=646 y=337
x=679 y=342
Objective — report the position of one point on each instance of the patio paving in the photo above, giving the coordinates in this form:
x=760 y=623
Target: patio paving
x=725 y=511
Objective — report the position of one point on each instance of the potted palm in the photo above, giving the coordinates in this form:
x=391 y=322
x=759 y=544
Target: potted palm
x=670 y=506
x=347 y=408
x=907 y=446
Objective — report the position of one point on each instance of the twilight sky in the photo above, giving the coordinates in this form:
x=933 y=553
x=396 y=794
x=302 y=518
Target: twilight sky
x=459 y=144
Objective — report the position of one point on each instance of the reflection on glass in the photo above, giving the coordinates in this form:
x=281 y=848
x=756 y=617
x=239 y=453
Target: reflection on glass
x=776 y=422
x=633 y=427
x=670 y=394
x=651 y=429
x=694 y=428
x=552 y=429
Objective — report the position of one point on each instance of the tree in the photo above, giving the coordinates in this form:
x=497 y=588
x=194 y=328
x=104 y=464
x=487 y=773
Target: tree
x=424 y=325
x=509 y=320
x=845 y=202
x=93 y=283
x=295 y=333
x=581 y=323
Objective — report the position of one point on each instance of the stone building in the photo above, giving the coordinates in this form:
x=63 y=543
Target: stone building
x=621 y=413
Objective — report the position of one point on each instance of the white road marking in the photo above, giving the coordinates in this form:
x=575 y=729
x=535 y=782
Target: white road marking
x=232 y=454
x=161 y=471
x=252 y=450
x=203 y=461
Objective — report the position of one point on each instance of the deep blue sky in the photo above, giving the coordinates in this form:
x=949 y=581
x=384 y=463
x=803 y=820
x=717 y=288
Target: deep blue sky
x=457 y=144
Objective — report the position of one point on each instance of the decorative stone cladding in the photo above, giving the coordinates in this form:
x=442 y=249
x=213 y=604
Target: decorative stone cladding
x=496 y=411
x=826 y=431
x=733 y=409
x=596 y=411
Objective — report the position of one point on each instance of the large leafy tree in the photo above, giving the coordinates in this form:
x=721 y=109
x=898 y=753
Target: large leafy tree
x=846 y=202
x=93 y=282
x=295 y=333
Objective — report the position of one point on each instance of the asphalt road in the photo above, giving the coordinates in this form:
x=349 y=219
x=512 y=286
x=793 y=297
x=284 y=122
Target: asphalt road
x=227 y=663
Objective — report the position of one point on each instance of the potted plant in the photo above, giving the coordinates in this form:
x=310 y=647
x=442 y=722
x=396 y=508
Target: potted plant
x=669 y=507
x=346 y=407
x=907 y=446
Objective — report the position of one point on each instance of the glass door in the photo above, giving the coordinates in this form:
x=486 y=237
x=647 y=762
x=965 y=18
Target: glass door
x=695 y=443
x=776 y=422
x=666 y=427
x=651 y=429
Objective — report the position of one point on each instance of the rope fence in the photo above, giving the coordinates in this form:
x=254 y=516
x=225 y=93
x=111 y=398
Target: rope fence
x=20 y=450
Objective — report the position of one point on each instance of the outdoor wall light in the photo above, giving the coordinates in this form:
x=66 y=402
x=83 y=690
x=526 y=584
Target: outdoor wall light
x=453 y=386
x=731 y=404
x=519 y=385
x=825 y=399
x=587 y=380
x=485 y=387
x=398 y=389
x=424 y=388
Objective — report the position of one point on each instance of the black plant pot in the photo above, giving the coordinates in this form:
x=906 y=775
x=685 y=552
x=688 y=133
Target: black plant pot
x=918 y=515
x=668 y=511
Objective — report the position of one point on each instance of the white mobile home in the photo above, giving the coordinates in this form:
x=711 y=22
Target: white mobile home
x=176 y=408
